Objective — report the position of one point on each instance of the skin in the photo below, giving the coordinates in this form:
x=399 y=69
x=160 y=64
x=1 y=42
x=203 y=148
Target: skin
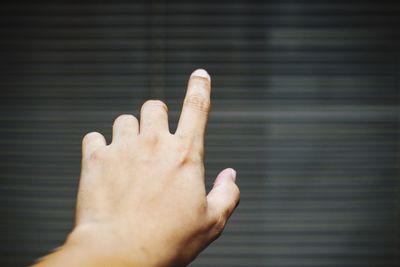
x=142 y=199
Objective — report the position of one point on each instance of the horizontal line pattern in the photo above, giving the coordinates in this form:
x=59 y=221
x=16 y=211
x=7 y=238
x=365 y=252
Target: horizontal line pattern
x=305 y=107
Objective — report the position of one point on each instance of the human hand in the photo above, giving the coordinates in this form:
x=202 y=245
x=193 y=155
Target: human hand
x=142 y=199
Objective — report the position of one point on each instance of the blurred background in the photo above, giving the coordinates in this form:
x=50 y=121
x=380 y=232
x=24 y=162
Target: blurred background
x=306 y=107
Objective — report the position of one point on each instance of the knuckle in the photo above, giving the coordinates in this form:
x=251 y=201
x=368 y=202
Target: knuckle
x=89 y=137
x=198 y=102
x=202 y=208
x=194 y=158
x=187 y=155
x=151 y=139
x=188 y=159
x=219 y=225
x=125 y=118
x=152 y=104
x=97 y=155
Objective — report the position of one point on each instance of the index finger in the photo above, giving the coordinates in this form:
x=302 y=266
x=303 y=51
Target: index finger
x=196 y=106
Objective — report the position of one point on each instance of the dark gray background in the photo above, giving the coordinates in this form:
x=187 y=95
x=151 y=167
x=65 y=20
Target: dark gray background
x=305 y=107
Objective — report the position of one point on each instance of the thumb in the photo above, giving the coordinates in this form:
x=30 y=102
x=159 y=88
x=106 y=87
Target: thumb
x=224 y=197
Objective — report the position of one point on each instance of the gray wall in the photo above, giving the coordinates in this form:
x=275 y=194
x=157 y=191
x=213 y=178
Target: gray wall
x=305 y=107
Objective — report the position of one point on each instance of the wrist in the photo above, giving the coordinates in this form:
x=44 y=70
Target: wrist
x=96 y=245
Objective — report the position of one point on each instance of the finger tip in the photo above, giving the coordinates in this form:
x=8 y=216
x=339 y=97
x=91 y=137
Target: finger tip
x=233 y=174
x=226 y=175
x=201 y=73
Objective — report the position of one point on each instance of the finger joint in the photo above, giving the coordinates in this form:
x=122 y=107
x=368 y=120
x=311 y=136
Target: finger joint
x=198 y=102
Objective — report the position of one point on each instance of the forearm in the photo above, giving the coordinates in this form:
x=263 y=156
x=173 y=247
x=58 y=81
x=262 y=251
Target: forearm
x=83 y=248
x=70 y=255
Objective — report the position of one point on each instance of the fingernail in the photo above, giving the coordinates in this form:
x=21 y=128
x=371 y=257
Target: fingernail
x=201 y=73
x=233 y=174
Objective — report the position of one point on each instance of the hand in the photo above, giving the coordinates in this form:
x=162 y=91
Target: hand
x=142 y=198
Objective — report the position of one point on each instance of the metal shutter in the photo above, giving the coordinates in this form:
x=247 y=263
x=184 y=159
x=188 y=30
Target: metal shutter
x=305 y=107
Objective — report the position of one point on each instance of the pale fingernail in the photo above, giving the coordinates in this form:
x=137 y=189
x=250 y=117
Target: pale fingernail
x=201 y=73
x=233 y=174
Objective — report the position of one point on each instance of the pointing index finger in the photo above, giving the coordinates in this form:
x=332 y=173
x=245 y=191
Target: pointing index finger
x=196 y=106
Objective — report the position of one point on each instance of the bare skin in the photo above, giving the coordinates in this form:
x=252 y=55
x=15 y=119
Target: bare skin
x=142 y=199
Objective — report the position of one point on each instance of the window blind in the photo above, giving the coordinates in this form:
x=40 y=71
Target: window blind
x=305 y=107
